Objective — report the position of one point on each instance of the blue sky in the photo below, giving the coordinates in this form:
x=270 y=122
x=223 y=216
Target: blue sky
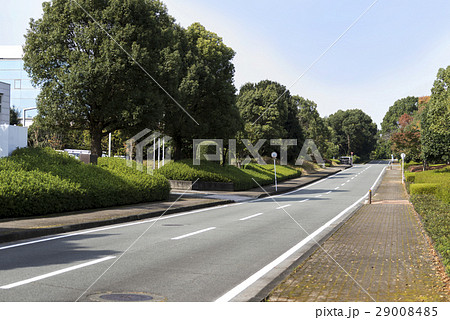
x=394 y=51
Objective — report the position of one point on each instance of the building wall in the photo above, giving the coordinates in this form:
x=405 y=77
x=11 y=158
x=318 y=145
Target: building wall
x=23 y=94
x=4 y=103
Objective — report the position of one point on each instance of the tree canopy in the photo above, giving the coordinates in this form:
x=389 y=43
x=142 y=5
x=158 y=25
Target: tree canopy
x=407 y=105
x=354 y=131
x=435 y=120
x=88 y=59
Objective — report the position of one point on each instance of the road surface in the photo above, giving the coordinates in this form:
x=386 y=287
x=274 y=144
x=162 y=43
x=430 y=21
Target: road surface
x=226 y=253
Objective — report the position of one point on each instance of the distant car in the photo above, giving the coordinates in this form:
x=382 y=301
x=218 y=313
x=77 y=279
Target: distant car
x=345 y=160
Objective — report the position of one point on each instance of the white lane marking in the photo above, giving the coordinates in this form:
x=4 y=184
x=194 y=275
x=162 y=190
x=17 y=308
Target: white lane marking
x=304 y=200
x=353 y=178
x=256 y=276
x=348 y=180
x=193 y=233
x=336 y=188
x=55 y=273
x=249 y=217
x=287 y=205
x=328 y=192
x=73 y=234
x=318 y=196
x=342 y=184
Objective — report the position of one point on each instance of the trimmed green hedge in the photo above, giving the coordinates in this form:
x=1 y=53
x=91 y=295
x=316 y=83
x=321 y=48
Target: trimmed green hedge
x=435 y=182
x=242 y=178
x=42 y=181
x=436 y=219
x=423 y=188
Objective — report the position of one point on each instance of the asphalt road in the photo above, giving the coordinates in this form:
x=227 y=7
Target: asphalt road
x=216 y=254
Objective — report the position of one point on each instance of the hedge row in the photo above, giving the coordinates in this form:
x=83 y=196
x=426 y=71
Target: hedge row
x=436 y=219
x=43 y=181
x=434 y=182
x=242 y=178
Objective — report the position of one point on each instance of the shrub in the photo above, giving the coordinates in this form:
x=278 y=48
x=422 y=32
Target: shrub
x=410 y=177
x=436 y=219
x=42 y=181
x=423 y=188
x=241 y=178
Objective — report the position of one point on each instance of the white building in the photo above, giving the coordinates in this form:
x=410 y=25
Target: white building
x=11 y=137
x=22 y=93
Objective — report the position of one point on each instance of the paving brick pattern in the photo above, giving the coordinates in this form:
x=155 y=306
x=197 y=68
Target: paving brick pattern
x=379 y=254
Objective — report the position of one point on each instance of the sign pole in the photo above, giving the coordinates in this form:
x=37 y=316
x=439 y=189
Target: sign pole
x=274 y=156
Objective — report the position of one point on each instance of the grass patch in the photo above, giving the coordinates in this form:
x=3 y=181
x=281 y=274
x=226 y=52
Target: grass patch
x=242 y=178
x=436 y=219
x=36 y=181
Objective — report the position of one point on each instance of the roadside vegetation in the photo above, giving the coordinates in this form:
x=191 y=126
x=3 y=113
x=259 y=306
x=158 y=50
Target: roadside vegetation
x=37 y=181
x=241 y=178
x=430 y=195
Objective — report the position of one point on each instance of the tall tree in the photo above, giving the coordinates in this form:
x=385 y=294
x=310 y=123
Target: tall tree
x=312 y=124
x=435 y=120
x=407 y=105
x=407 y=138
x=203 y=75
x=354 y=131
x=268 y=112
x=87 y=57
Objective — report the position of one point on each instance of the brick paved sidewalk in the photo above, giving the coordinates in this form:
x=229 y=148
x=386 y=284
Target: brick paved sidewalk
x=382 y=248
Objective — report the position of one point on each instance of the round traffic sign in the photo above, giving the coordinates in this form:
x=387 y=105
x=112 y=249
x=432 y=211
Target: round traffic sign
x=274 y=155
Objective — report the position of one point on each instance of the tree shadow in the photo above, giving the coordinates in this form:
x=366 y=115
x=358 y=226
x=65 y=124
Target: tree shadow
x=63 y=251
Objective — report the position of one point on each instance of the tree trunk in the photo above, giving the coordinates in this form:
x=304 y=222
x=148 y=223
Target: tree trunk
x=96 y=143
x=177 y=152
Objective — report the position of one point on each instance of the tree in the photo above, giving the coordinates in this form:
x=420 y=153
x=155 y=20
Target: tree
x=313 y=125
x=354 y=131
x=87 y=56
x=407 y=138
x=435 y=120
x=407 y=105
x=14 y=117
x=268 y=112
x=202 y=75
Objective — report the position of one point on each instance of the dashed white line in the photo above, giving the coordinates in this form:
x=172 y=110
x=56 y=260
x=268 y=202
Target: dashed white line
x=304 y=200
x=193 y=233
x=348 y=180
x=336 y=188
x=328 y=192
x=55 y=273
x=319 y=195
x=342 y=184
x=287 y=205
x=249 y=217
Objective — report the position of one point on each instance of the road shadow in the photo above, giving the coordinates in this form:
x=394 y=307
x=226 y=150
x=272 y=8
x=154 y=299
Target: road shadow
x=54 y=252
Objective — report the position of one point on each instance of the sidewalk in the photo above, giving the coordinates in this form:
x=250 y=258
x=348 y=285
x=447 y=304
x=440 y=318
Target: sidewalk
x=382 y=249
x=24 y=228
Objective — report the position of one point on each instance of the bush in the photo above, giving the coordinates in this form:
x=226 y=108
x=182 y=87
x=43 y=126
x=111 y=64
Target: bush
x=423 y=188
x=410 y=177
x=241 y=178
x=436 y=220
x=42 y=181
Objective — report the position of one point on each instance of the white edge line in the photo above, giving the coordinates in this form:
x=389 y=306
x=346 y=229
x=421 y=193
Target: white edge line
x=253 y=216
x=193 y=233
x=252 y=279
x=51 y=274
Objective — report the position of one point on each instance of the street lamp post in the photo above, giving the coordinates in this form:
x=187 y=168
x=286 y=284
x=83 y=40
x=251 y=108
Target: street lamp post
x=274 y=156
